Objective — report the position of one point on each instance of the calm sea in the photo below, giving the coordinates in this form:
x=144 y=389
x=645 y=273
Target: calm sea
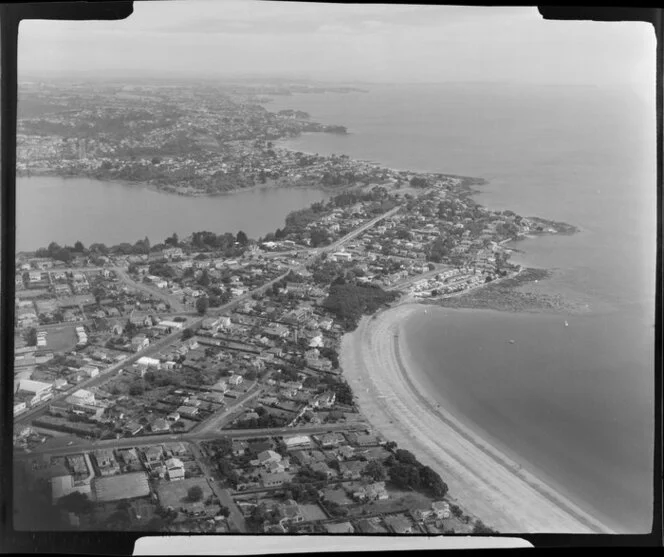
x=575 y=403
x=69 y=209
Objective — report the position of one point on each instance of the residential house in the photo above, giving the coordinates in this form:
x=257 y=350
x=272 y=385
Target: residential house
x=324 y=468
x=289 y=513
x=399 y=524
x=370 y=526
x=330 y=440
x=339 y=528
x=139 y=342
x=267 y=457
x=441 y=509
x=106 y=462
x=160 y=425
x=297 y=442
x=352 y=469
x=129 y=456
x=187 y=411
x=153 y=454
x=238 y=447
x=364 y=440
x=132 y=427
x=275 y=480
x=175 y=469
x=235 y=380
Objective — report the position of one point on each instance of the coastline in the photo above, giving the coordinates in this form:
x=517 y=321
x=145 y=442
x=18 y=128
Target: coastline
x=484 y=482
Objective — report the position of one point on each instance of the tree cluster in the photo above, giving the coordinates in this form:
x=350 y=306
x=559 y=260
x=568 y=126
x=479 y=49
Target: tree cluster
x=406 y=471
x=348 y=302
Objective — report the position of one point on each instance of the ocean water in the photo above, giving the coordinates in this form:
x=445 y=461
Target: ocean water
x=574 y=404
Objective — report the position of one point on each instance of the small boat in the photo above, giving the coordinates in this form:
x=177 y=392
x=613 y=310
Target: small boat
x=512 y=341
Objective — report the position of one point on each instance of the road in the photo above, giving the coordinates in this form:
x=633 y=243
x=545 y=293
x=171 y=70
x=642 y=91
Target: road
x=160 y=344
x=172 y=300
x=154 y=347
x=218 y=420
x=236 y=518
x=189 y=437
x=335 y=245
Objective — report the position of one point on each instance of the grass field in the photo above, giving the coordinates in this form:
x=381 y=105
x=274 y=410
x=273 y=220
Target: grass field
x=61 y=339
x=174 y=494
x=312 y=512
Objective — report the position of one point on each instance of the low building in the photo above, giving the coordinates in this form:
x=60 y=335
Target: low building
x=399 y=524
x=289 y=513
x=235 y=380
x=441 y=509
x=36 y=391
x=139 y=342
x=339 y=528
x=275 y=480
x=149 y=362
x=238 y=447
x=106 y=463
x=298 y=442
x=352 y=469
x=175 y=469
x=187 y=411
x=64 y=485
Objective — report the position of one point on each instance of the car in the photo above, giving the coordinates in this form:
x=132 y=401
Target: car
x=70 y=443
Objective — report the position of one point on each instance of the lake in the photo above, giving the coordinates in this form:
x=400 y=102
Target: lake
x=65 y=210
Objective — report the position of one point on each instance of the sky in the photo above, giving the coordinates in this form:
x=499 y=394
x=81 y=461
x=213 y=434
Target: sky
x=342 y=43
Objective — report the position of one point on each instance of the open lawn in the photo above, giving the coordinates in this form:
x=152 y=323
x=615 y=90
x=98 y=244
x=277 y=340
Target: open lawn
x=398 y=501
x=61 y=339
x=174 y=494
x=312 y=511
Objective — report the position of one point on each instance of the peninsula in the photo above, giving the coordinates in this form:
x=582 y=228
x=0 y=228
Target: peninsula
x=222 y=383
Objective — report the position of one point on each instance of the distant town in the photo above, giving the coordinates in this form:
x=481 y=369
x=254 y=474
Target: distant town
x=193 y=384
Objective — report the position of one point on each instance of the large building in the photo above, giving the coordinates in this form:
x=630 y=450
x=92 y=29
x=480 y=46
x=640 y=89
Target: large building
x=35 y=391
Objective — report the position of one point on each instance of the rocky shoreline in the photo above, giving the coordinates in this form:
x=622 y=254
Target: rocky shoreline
x=505 y=295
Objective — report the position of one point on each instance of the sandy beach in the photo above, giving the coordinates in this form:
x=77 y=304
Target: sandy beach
x=482 y=480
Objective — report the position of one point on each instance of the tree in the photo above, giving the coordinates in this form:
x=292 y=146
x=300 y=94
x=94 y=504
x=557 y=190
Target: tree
x=224 y=511
x=155 y=524
x=195 y=494
x=433 y=482
x=241 y=238
x=173 y=240
x=136 y=389
x=481 y=528
x=30 y=336
x=202 y=305
x=78 y=246
x=76 y=502
x=376 y=470
x=406 y=457
x=204 y=279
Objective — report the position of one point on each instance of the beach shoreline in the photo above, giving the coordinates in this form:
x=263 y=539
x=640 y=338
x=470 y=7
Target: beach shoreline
x=482 y=480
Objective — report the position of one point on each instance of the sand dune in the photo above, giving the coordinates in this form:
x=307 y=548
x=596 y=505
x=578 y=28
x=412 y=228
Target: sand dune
x=484 y=482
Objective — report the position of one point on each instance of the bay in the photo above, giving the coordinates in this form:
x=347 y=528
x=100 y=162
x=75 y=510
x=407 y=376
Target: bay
x=574 y=404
